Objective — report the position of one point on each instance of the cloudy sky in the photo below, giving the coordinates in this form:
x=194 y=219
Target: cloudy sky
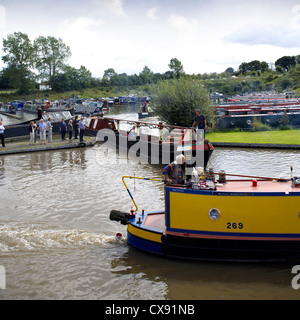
x=205 y=35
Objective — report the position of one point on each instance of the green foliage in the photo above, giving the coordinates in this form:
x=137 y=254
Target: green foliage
x=286 y=62
x=48 y=56
x=51 y=54
x=259 y=126
x=176 y=68
x=73 y=79
x=175 y=101
x=20 y=53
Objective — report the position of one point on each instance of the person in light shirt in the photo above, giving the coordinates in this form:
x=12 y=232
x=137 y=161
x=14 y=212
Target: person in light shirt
x=42 y=127
x=2 y=129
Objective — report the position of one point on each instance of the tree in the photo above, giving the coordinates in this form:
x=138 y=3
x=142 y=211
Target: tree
x=19 y=56
x=243 y=68
x=294 y=73
x=176 y=68
x=175 y=101
x=264 y=66
x=286 y=62
x=109 y=73
x=229 y=70
x=51 y=57
x=254 y=65
x=146 y=75
x=4 y=79
x=73 y=79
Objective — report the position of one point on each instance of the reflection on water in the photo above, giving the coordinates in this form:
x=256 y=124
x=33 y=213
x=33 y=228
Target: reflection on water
x=57 y=242
x=270 y=163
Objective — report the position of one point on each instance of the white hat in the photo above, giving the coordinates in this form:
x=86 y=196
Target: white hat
x=180 y=159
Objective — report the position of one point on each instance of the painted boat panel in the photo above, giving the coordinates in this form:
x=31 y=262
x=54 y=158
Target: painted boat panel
x=248 y=214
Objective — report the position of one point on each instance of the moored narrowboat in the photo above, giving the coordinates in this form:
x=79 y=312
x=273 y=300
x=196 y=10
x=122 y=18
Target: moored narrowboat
x=255 y=220
x=154 y=149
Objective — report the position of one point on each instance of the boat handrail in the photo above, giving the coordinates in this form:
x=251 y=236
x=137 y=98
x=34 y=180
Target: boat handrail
x=138 y=178
x=159 y=125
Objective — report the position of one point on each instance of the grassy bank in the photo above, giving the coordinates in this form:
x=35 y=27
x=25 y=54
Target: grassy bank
x=265 y=137
x=8 y=96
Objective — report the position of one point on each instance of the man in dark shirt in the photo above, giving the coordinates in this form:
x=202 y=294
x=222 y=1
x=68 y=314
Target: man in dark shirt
x=201 y=124
x=63 y=129
x=39 y=113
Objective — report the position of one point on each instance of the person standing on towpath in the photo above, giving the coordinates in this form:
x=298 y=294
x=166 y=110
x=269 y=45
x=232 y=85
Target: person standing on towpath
x=63 y=129
x=82 y=128
x=2 y=129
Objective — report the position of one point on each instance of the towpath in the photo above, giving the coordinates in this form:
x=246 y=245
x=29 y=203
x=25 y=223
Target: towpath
x=21 y=145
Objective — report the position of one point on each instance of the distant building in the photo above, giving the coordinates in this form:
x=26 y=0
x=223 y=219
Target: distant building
x=44 y=86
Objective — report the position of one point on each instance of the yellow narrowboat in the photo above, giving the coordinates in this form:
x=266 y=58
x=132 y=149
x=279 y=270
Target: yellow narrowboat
x=223 y=220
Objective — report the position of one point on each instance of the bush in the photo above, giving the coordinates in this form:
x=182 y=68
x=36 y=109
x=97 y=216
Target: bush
x=175 y=101
x=284 y=127
x=259 y=126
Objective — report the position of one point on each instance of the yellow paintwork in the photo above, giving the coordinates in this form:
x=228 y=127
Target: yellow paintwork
x=144 y=234
x=258 y=214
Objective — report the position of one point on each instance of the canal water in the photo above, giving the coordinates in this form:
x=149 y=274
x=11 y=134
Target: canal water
x=57 y=242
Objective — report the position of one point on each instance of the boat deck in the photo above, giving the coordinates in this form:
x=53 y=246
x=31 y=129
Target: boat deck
x=156 y=221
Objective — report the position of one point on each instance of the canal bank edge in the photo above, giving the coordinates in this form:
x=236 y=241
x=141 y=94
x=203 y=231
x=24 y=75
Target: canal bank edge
x=92 y=143
x=256 y=145
x=48 y=147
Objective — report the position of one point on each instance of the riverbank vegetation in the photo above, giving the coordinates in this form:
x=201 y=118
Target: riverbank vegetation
x=290 y=137
x=176 y=95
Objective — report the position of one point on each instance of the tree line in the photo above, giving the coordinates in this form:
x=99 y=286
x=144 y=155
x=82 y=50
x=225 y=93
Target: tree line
x=45 y=60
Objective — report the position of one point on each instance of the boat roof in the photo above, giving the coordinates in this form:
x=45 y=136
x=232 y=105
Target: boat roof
x=263 y=187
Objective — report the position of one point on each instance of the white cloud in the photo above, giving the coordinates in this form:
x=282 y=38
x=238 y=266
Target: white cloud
x=111 y=7
x=82 y=35
x=2 y=17
x=182 y=24
x=266 y=35
x=152 y=14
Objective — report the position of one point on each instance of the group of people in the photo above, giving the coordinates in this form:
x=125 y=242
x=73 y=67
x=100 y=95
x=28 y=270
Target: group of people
x=44 y=129
x=76 y=126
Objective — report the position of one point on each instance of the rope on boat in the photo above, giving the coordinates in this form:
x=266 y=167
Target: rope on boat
x=254 y=177
x=138 y=178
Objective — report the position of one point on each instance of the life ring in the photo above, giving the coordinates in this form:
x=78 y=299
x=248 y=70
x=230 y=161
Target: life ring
x=279 y=120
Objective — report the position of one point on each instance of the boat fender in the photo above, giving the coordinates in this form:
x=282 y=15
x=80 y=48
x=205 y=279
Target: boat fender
x=81 y=144
x=119 y=236
x=119 y=216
